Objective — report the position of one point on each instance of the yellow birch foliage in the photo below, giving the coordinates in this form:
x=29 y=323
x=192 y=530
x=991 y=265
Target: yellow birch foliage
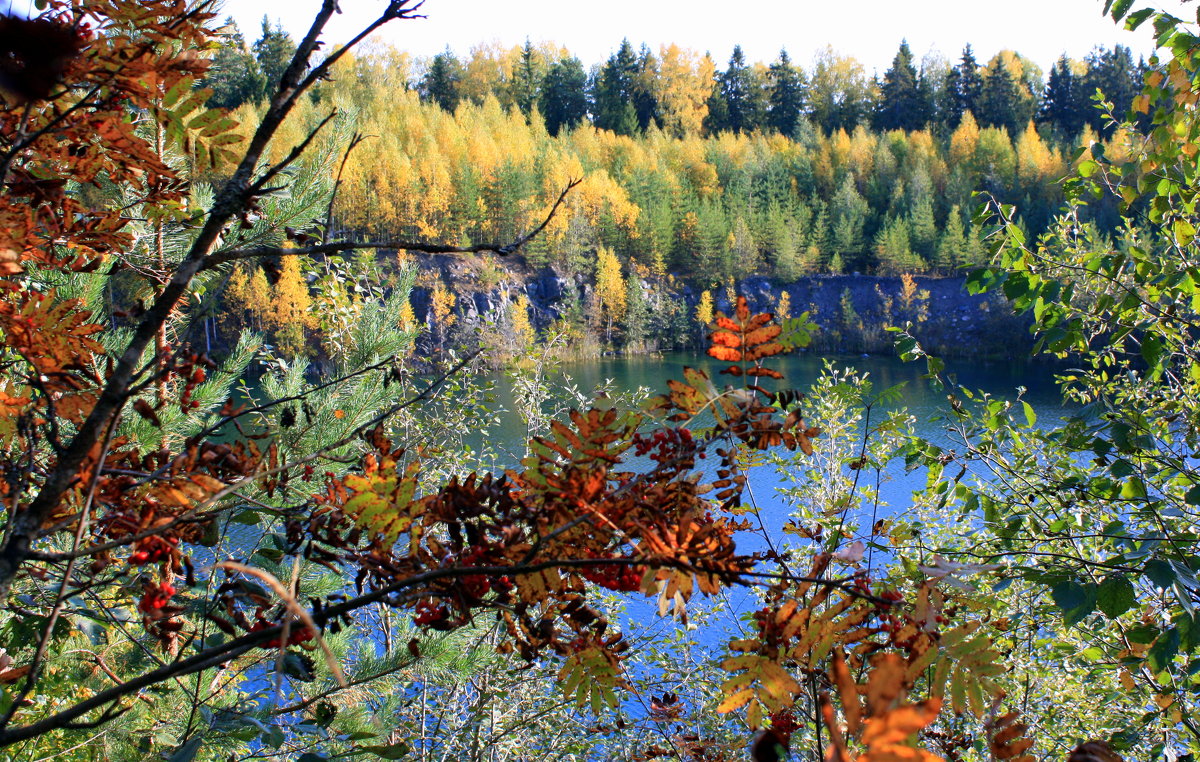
x=442 y=301
x=408 y=318
x=291 y=315
x=1035 y=160
x=704 y=309
x=610 y=285
x=683 y=86
x=523 y=333
x=963 y=141
x=783 y=310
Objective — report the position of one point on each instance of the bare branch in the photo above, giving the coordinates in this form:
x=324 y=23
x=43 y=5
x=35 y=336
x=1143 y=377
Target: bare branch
x=336 y=247
x=296 y=152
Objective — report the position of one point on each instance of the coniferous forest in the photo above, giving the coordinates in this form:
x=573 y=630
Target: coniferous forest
x=293 y=466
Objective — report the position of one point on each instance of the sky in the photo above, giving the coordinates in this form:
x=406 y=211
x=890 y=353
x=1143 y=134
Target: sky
x=869 y=30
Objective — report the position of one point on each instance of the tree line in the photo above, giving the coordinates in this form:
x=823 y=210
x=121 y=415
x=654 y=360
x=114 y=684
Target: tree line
x=703 y=173
x=681 y=91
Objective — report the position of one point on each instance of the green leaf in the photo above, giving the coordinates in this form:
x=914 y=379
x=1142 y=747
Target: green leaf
x=390 y=751
x=249 y=518
x=1075 y=601
x=1087 y=168
x=1137 y=18
x=1120 y=8
x=1133 y=489
x=1115 y=595
x=1030 y=415
x=1142 y=634
x=1193 y=496
x=1184 y=232
x=1159 y=572
x=1163 y=651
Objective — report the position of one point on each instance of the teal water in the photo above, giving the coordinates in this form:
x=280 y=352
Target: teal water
x=919 y=398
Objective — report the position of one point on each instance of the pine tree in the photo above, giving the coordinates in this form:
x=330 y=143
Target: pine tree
x=952 y=248
x=644 y=92
x=893 y=247
x=1113 y=73
x=786 y=95
x=637 y=314
x=273 y=51
x=564 y=95
x=742 y=247
x=922 y=227
x=742 y=94
x=901 y=104
x=849 y=211
x=967 y=84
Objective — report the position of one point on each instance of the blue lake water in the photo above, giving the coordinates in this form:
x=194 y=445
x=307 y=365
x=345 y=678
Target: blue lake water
x=894 y=486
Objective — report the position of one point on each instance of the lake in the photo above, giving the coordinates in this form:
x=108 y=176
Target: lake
x=894 y=485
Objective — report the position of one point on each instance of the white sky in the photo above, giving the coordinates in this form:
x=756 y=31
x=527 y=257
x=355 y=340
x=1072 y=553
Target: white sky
x=869 y=30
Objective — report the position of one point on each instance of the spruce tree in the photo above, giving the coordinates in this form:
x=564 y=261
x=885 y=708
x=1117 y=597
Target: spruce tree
x=643 y=90
x=998 y=100
x=614 y=108
x=564 y=95
x=742 y=94
x=900 y=106
x=1060 y=102
x=952 y=248
x=526 y=84
x=964 y=87
x=786 y=95
x=234 y=76
x=273 y=51
x=637 y=314
x=441 y=83
x=1113 y=73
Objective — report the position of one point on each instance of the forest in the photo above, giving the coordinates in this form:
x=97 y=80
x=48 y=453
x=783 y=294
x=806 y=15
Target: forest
x=688 y=171
x=247 y=515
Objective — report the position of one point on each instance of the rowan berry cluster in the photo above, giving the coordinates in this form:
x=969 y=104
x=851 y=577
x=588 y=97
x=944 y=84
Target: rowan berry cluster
x=151 y=550
x=155 y=599
x=430 y=614
x=666 y=444
x=616 y=577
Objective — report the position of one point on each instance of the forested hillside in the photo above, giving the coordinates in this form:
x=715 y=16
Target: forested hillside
x=703 y=172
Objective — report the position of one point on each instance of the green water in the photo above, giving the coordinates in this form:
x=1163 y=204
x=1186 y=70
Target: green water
x=627 y=373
